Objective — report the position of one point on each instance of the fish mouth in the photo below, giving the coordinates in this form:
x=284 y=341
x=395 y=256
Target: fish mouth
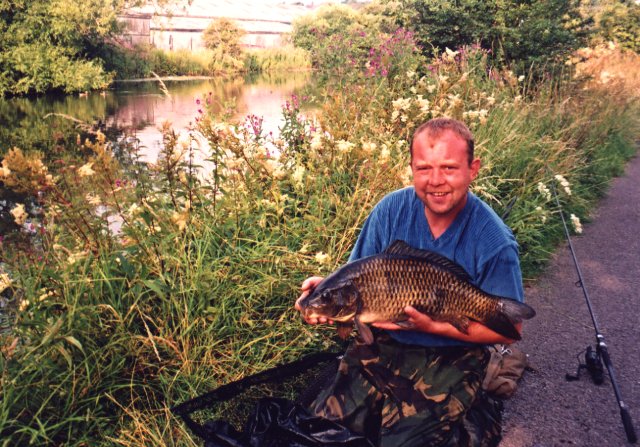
x=338 y=318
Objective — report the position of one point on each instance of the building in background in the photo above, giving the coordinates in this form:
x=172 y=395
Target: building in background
x=180 y=24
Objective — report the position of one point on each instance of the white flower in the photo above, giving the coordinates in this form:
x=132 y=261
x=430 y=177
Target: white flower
x=5 y=282
x=384 y=154
x=92 y=199
x=19 y=214
x=4 y=169
x=316 y=142
x=298 y=176
x=402 y=104
x=577 y=225
x=322 y=258
x=85 y=170
x=564 y=183
x=544 y=191
x=344 y=146
x=520 y=78
x=369 y=147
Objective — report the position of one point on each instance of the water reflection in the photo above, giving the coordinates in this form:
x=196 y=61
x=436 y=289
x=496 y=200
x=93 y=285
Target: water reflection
x=51 y=123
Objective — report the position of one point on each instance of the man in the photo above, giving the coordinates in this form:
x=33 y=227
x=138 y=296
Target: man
x=414 y=387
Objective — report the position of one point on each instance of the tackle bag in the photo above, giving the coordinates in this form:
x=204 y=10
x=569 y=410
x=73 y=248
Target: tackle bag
x=506 y=366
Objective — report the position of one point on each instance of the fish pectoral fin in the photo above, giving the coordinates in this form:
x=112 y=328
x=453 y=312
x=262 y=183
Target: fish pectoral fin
x=364 y=331
x=344 y=330
x=460 y=322
x=405 y=324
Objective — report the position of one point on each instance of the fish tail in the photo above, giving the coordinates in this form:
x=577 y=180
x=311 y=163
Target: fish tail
x=516 y=311
x=502 y=325
x=512 y=311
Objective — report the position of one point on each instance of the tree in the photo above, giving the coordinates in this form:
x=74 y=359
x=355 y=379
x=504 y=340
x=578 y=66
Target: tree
x=48 y=44
x=519 y=33
x=223 y=35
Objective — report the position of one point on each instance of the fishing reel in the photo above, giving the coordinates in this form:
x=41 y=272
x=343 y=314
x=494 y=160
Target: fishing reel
x=592 y=363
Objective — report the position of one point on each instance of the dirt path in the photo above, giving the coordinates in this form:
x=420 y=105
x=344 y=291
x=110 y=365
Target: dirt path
x=547 y=410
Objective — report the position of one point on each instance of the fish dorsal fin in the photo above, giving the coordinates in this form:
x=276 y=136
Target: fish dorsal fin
x=401 y=248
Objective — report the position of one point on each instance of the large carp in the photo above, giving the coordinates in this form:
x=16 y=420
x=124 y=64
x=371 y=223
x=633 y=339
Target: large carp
x=379 y=287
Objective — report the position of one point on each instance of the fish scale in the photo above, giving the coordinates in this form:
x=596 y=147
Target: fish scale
x=379 y=287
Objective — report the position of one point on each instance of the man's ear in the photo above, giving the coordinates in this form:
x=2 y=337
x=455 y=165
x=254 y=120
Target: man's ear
x=475 y=168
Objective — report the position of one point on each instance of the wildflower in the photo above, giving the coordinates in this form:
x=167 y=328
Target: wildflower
x=180 y=219
x=520 y=78
x=316 y=142
x=5 y=282
x=402 y=104
x=4 y=169
x=449 y=54
x=384 y=154
x=45 y=295
x=75 y=257
x=423 y=104
x=544 y=191
x=577 y=225
x=92 y=199
x=344 y=146
x=298 y=176
x=134 y=210
x=406 y=176
x=322 y=258
x=85 y=170
x=19 y=214
x=564 y=183
x=369 y=147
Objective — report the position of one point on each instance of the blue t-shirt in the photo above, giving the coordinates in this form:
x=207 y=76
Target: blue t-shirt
x=477 y=240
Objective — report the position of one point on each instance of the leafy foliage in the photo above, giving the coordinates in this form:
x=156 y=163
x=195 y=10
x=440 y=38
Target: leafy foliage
x=519 y=34
x=620 y=22
x=45 y=45
x=223 y=35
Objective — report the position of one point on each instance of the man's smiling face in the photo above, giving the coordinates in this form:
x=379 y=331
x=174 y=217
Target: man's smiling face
x=442 y=172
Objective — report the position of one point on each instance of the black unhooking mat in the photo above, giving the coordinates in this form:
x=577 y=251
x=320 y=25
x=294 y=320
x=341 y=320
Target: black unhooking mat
x=274 y=422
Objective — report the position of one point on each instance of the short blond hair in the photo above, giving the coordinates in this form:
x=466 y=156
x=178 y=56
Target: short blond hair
x=436 y=126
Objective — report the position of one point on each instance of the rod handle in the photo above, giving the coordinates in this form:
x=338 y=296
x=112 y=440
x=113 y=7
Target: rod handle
x=628 y=424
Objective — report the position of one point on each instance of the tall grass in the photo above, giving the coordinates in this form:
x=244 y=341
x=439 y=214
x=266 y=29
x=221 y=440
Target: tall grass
x=196 y=290
x=143 y=61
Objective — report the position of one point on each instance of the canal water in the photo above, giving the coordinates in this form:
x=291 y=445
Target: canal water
x=139 y=108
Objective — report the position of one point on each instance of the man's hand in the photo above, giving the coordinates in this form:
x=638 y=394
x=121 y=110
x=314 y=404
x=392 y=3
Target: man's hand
x=416 y=321
x=477 y=333
x=307 y=287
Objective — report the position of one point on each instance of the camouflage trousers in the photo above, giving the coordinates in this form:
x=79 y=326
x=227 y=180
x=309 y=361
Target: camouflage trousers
x=404 y=395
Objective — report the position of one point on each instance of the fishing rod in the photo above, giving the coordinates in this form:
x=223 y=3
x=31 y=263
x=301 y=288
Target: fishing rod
x=595 y=358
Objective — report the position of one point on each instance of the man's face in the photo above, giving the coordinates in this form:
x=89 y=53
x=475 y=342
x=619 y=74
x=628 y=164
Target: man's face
x=442 y=173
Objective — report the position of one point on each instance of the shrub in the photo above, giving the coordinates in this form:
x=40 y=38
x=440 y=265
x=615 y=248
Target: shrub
x=223 y=35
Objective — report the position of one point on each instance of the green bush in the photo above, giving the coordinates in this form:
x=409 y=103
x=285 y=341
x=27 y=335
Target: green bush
x=620 y=22
x=518 y=34
x=223 y=35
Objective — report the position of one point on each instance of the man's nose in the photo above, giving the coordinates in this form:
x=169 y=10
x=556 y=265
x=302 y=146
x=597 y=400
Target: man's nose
x=436 y=177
